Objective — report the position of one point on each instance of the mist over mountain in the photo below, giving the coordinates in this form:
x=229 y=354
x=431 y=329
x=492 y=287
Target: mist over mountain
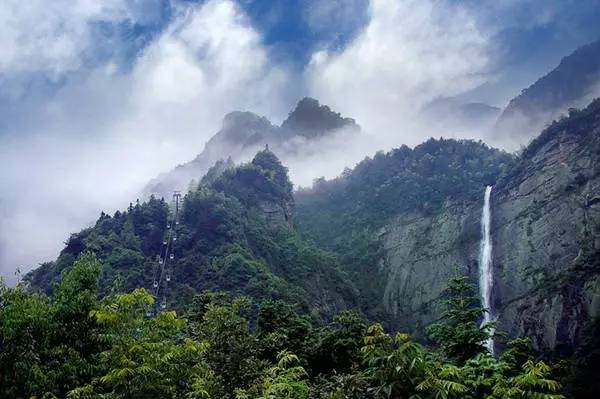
x=231 y=199
x=311 y=129
x=573 y=83
x=464 y=119
x=384 y=238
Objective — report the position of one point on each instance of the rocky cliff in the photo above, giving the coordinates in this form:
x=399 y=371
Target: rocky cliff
x=423 y=208
x=421 y=253
x=403 y=222
x=546 y=242
x=546 y=235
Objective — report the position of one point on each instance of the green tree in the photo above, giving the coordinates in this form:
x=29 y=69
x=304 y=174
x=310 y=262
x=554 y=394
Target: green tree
x=396 y=367
x=286 y=380
x=231 y=346
x=25 y=327
x=534 y=382
x=76 y=344
x=336 y=347
x=146 y=357
x=49 y=347
x=459 y=334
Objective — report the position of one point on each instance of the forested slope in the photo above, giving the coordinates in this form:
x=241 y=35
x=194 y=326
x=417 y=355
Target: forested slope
x=235 y=234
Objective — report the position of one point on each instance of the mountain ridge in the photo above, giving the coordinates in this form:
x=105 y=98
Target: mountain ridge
x=573 y=83
x=243 y=133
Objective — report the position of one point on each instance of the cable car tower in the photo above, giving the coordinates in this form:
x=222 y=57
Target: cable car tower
x=163 y=271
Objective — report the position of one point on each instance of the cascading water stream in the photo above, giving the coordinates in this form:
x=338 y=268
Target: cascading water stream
x=485 y=264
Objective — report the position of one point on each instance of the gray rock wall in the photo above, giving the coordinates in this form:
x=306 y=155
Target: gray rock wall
x=546 y=227
x=546 y=247
x=421 y=253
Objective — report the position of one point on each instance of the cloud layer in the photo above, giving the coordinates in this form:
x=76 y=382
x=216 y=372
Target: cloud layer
x=409 y=53
x=98 y=97
x=94 y=142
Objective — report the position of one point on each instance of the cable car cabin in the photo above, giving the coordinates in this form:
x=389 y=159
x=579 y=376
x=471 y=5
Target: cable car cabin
x=155 y=285
x=174 y=238
x=163 y=305
x=168 y=226
x=165 y=242
x=172 y=257
x=168 y=278
x=176 y=222
x=160 y=261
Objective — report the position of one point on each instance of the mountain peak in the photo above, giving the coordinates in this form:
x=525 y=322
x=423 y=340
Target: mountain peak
x=244 y=120
x=311 y=119
x=242 y=127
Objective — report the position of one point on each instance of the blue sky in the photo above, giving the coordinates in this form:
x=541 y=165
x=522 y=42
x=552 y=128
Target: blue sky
x=98 y=97
x=527 y=38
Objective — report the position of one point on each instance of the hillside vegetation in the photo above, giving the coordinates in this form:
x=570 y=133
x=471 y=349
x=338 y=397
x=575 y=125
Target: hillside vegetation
x=72 y=345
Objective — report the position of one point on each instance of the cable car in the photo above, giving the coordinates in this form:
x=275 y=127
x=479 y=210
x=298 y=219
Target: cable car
x=168 y=277
x=160 y=261
x=163 y=305
x=176 y=222
x=165 y=242
x=174 y=238
x=148 y=314
x=155 y=285
x=172 y=257
x=168 y=225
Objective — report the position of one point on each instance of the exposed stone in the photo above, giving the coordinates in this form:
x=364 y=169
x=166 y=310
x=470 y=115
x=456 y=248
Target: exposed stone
x=546 y=244
x=422 y=253
x=543 y=228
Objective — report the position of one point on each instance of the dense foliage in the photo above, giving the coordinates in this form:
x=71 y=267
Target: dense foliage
x=404 y=179
x=257 y=309
x=344 y=214
x=72 y=345
x=226 y=240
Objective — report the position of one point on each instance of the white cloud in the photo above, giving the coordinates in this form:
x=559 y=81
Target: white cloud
x=51 y=36
x=94 y=144
x=410 y=52
x=207 y=63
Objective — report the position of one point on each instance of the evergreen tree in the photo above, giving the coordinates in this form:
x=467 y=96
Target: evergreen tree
x=459 y=334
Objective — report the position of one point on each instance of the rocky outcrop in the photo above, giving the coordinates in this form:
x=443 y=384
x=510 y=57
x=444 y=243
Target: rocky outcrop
x=311 y=120
x=546 y=235
x=422 y=252
x=276 y=214
x=546 y=243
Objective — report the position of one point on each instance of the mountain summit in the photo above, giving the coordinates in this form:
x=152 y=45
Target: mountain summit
x=242 y=134
x=311 y=119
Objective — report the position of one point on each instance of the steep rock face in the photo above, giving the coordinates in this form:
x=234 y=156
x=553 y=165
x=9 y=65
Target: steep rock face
x=546 y=243
x=546 y=235
x=422 y=252
x=277 y=215
x=402 y=223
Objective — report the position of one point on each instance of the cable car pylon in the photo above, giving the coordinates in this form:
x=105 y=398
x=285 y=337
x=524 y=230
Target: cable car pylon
x=163 y=269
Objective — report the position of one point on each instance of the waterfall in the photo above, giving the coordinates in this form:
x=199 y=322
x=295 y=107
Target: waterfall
x=485 y=264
